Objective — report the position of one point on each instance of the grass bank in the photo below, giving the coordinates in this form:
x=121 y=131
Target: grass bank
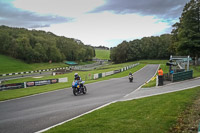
x=156 y=114
x=11 y=65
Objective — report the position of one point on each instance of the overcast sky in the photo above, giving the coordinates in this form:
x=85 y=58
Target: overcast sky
x=94 y=22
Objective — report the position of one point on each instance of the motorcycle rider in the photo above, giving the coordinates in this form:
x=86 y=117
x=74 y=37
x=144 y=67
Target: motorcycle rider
x=130 y=76
x=78 y=78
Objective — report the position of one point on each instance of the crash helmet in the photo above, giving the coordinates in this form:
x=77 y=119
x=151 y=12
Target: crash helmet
x=76 y=74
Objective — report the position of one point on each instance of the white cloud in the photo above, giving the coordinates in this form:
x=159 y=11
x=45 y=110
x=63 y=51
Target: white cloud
x=67 y=8
x=109 y=29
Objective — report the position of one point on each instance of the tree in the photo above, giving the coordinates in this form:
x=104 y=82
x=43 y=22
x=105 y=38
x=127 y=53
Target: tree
x=187 y=33
x=40 y=46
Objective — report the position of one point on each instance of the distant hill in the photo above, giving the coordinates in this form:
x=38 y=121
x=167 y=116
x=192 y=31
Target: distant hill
x=101 y=47
x=102 y=54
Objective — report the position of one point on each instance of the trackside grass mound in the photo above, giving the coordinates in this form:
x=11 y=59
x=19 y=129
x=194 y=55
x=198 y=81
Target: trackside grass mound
x=156 y=114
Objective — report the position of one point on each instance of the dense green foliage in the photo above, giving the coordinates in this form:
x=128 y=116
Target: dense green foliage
x=102 y=54
x=186 y=33
x=146 y=48
x=40 y=46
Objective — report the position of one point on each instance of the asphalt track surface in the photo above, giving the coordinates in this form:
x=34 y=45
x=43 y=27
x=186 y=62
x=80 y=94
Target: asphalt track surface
x=34 y=113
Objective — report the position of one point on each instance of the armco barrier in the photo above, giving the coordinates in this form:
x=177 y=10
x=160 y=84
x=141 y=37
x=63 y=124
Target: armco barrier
x=116 y=71
x=99 y=75
x=182 y=75
x=37 y=71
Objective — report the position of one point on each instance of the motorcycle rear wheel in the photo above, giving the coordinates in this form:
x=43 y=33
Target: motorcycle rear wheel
x=84 y=89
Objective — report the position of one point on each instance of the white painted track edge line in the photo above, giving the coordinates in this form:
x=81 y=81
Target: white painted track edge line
x=43 y=130
x=161 y=93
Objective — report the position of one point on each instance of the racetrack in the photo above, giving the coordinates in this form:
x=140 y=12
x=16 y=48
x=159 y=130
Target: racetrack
x=34 y=113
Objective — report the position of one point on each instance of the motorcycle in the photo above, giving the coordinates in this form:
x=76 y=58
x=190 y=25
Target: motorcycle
x=78 y=88
x=130 y=78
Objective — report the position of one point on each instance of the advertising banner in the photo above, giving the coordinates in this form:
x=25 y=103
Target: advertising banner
x=42 y=82
x=30 y=84
x=12 y=86
x=54 y=81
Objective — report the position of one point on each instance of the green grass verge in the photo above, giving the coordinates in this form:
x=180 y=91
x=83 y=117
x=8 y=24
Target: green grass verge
x=11 y=94
x=11 y=65
x=196 y=71
x=102 y=54
x=156 y=114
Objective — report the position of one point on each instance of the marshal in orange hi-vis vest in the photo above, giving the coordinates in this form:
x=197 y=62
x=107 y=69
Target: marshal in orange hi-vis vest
x=160 y=72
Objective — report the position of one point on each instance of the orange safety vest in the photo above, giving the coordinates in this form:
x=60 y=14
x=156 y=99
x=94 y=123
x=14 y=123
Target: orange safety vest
x=160 y=72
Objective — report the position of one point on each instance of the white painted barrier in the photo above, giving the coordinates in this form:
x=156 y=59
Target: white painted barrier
x=61 y=80
x=96 y=76
x=109 y=73
x=103 y=74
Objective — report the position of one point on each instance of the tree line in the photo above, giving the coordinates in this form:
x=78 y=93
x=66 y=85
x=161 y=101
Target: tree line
x=184 y=40
x=155 y=47
x=39 y=46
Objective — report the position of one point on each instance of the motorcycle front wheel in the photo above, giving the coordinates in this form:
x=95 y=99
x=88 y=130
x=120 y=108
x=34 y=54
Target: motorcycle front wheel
x=75 y=91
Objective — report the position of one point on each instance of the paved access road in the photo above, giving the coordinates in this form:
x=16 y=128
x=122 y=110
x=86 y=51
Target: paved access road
x=34 y=113
x=173 y=87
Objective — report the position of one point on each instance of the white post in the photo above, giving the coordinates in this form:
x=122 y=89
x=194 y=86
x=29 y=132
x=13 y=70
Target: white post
x=188 y=63
x=157 y=80
x=24 y=84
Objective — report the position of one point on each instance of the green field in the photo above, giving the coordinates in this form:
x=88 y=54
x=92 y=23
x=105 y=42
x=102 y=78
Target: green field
x=102 y=54
x=11 y=65
x=156 y=114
